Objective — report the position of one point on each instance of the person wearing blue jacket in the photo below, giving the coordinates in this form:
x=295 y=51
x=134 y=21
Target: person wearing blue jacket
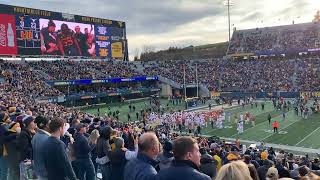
x=186 y=162
x=38 y=147
x=144 y=166
x=55 y=156
x=82 y=149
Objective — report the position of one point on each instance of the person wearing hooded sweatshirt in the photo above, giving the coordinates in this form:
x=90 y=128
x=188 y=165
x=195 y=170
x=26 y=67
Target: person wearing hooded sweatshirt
x=207 y=165
x=4 y=123
x=11 y=146
x=166 y=157
x=262 y=170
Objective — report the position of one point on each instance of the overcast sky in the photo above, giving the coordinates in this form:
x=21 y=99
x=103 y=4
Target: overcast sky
x=164 y=23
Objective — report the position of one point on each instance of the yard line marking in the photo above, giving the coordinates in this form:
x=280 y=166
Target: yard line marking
x=279 y=130
x=262 y=123
x=307 y=136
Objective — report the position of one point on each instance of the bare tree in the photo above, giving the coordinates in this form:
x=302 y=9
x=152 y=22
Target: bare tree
x=136 y=53
x=146 y=49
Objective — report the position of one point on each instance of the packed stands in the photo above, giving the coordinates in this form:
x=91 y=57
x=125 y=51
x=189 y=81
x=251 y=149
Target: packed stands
x=71 y=70
x=261 y=75
x=281 y=39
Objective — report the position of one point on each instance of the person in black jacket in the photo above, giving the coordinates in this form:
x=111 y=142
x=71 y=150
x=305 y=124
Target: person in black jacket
x=11 y=146
x=166 y=157
x=103 y=151
x=186 y=163
x=118 y=160
x=25 y=137
x=4 y=123
x=207 y=164
x=82 y=149
x=55 y=157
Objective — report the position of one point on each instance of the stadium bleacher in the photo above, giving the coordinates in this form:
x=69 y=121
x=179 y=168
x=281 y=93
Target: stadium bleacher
x=24 y=87
x=297 y=37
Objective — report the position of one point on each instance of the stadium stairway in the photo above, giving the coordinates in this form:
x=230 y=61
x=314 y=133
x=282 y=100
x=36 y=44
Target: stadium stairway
x=294 y=78
x=140 y=69
x=41 y=73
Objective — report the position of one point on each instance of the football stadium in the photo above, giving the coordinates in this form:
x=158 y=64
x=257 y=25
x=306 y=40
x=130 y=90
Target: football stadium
x=77 y=103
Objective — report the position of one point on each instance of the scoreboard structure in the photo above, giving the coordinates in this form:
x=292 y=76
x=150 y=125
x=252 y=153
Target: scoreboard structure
x=28 y=35
x=34 y=32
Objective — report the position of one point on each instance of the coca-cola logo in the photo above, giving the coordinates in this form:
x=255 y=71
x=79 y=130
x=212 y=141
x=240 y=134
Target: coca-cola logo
x=3 y=36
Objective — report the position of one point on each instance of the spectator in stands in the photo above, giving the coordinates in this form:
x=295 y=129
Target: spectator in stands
x=253 y=172
x=282 y=170
x=236 y=170
x=38 y=147
x=4 y=123
x=118 y=159
x=186 y=161
x=103 y=152
x=11 y=148
x=25 y=137
x=262 y=170
x=93 y=138
x=207 y=164
x=82 y=150
x=56 y=160
x=143 y=167
x=272 y=174
x=166 y=157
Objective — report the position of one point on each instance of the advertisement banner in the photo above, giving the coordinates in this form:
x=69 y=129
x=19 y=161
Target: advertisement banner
x=117 y=50
x=103 y=44
x=8 y=43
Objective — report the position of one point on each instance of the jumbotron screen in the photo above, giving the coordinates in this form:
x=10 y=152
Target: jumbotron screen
x=26 y=31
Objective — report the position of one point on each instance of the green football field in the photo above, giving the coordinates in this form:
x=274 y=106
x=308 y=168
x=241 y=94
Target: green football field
x=293 y=131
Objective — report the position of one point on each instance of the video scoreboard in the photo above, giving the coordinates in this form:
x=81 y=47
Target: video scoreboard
x=26 y=31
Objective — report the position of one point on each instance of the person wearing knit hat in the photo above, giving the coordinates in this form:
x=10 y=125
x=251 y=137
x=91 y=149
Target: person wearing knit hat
x=37 y=146
x=166 y=157
x=29 y=121
x=232 y=157
x=264 y=155
x=42 y=122
x=25 y=137
x=11 y=149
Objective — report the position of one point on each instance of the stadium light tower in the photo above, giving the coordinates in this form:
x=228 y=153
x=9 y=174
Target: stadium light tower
x=229 y=3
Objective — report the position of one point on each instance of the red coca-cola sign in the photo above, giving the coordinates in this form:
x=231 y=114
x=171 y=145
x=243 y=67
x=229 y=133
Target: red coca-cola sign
x=8 y=42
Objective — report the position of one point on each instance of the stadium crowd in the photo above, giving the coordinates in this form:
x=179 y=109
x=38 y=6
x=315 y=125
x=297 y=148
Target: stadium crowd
x=74 y=146
x=62 y=143
x=299 y=74
x=283 y=38
x=263 y=75
x=72 y=70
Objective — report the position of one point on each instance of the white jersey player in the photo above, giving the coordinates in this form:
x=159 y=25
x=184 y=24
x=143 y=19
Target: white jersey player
x=240 y=127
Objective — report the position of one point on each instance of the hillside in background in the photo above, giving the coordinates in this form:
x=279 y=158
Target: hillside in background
x=217 y=50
